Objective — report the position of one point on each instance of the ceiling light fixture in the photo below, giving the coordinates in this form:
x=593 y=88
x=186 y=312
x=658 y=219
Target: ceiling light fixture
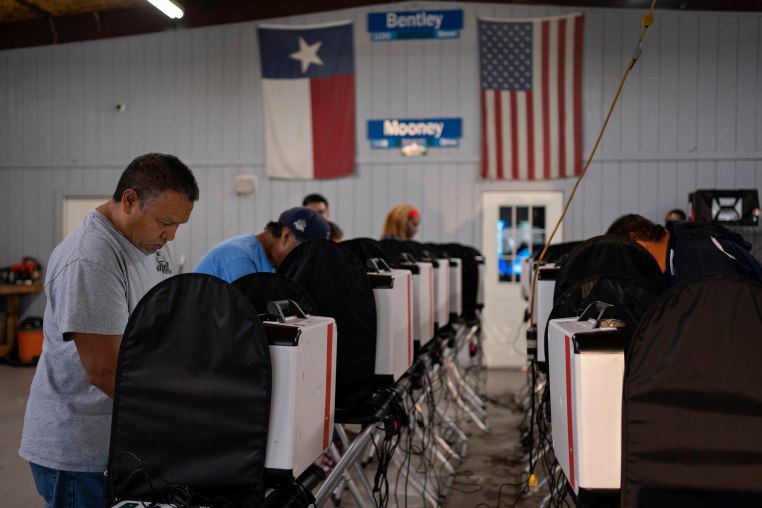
x=168 y=7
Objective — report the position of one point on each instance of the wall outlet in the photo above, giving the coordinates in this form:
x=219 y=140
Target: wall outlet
x=245 y=184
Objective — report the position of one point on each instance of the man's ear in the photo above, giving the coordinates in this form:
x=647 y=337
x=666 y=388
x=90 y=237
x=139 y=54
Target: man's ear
x=286 y=235
x=130 y=201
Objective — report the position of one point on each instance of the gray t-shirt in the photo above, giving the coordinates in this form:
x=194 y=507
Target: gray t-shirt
x=94 y=280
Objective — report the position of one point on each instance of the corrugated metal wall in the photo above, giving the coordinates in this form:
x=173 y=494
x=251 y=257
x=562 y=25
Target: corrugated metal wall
x=690 y=117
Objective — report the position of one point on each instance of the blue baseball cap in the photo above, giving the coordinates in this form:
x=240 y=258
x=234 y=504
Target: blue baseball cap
x=305 y=223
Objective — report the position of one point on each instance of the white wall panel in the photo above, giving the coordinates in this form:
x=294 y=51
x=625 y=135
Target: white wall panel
x=15 y=102
x=629 y=175
x=72 y=55
x=5 y=231
x=47 y=214
x=690 y=117
x=631 y=113
x=44 y=142
x=29 y=109
x=708 y=68
x=614 y=65
x=705 y=174
x=89 y=108
x=746 y=175
x=650 y=79
x=5 y=97
x=667 y=187
x=648 y=202
x=727 y=79
x=686 y=182
x=666 y=80
x=15 y=199
x=748 y=87
x=687 y=83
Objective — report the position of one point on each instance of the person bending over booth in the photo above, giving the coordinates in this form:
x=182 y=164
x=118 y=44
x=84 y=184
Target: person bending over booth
x=95 y=279
x=248 y=253
x=687 y=250
x=401 y=223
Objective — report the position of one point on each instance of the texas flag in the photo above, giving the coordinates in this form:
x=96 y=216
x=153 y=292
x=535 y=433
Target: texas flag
x=308 y=86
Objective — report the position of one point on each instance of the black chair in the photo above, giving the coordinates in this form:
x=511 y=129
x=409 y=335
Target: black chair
x=368 y=248
x=192 y=399
x=261 y=289
x=415 y=249
x=265 y=287
x=338 y=283
x=608 y=254
x=692 y=406
x=610 y=269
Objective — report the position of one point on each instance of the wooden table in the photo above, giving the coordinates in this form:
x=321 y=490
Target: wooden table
x=12 y=294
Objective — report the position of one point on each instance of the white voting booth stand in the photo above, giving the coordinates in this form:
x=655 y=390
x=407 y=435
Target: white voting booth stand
x=393 y=291
x=586 y=365
x=441 y=292
x=423 y=299
x=303 y=357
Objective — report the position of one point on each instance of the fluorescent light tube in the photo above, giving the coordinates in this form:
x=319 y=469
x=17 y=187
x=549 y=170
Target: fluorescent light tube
x=168 y=7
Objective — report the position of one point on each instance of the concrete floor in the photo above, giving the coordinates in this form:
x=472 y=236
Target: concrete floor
x=489 y=470
x=16 y=485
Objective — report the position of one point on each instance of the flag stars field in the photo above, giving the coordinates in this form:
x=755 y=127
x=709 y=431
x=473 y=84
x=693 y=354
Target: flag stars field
x=307 y=54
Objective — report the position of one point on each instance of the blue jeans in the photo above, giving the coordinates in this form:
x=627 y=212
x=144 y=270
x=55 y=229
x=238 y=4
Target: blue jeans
x=67 y=489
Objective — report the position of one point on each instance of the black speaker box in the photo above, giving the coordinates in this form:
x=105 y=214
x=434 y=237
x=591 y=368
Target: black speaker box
x=738 y=207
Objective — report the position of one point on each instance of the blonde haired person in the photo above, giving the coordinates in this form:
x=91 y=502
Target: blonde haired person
x=401 y=223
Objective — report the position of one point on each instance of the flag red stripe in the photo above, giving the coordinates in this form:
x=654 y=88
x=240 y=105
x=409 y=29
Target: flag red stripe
x=545 y=98
x=579 y=24
x=333 y=125
x=530 y=136
x=514 y=138
x=485 y=141
x=498 y=133
x=561 y=97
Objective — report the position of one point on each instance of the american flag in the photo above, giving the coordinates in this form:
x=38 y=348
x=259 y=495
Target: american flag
x=531 y=97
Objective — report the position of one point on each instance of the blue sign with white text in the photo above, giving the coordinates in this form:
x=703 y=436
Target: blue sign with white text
x=391 y=132
x=390 y=26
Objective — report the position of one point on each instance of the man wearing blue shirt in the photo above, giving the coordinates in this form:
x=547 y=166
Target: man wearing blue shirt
x=248 y=253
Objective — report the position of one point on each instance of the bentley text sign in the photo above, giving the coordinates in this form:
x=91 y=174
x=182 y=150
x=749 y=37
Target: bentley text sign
x=390 y=26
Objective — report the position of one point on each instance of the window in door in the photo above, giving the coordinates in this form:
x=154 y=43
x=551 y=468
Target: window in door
x=520 y=232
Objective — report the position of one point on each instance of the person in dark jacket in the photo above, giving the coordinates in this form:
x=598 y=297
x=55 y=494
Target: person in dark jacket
x=688 y=250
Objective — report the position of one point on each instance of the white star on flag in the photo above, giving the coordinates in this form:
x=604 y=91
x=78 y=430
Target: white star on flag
x=307 y=54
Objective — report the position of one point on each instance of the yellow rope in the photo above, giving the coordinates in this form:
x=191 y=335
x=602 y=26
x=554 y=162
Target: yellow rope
x=647 y=21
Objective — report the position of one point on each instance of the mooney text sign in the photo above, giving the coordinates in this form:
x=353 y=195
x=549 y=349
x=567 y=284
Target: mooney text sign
x=390 y=132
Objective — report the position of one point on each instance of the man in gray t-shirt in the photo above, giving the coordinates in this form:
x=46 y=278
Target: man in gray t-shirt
x=94 y=280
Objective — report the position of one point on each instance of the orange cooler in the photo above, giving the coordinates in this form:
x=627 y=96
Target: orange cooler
x=29 y=337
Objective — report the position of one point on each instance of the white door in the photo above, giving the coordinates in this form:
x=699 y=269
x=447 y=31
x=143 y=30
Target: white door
x=75 y=209
x=514 y=225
